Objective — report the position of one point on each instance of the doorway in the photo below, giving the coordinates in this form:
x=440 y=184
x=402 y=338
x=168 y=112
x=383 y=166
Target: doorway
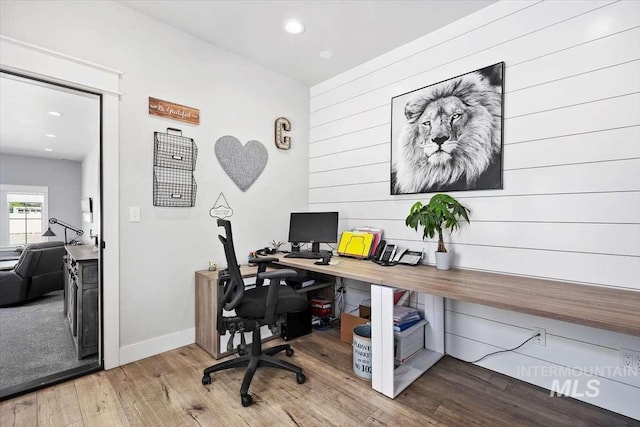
x=50 y=221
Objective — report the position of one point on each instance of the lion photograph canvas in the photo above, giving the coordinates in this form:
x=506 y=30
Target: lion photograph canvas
x=448 y=136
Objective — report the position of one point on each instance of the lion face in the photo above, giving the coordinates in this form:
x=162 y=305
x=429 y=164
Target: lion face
x=439 y=128
x=452 y=133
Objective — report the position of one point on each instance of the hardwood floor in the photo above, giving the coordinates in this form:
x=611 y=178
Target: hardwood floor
x=165 y=390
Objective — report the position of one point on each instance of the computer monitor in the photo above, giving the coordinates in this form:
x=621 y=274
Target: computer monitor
x=314 y=227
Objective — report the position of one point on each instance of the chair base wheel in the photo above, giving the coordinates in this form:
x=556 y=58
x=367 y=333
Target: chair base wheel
x=206 y=380
x=301 y=378
x=246 y=400
x=289 y=352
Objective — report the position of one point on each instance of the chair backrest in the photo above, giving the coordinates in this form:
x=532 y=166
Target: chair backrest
x=234 y=287
x=40 y=258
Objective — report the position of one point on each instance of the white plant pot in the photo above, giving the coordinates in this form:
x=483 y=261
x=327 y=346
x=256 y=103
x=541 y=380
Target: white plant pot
x=443 y=260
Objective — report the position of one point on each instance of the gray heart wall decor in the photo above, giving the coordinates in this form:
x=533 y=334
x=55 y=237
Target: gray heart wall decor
x=243 y=164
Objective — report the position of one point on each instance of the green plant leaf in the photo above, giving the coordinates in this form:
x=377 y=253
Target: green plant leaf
x=442 y=211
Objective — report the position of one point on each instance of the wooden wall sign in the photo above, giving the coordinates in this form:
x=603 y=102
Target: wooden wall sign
x=169 y=110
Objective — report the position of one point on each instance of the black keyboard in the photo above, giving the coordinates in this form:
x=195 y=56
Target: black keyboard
x=309 y=254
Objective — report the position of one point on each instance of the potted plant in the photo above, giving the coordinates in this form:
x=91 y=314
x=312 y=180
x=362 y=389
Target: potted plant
x=442 y=211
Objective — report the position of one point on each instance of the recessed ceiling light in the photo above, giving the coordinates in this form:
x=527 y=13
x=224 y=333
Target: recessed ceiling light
x=293 y=26
x=50 y=135
x=326 y=54
x=48 y=149
x=55 y=113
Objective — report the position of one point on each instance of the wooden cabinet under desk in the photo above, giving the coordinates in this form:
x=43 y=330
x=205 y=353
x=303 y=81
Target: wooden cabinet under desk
x=206 y=296
x=207 y=335
x=81 y=295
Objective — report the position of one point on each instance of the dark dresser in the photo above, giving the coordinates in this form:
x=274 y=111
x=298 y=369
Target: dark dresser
x=81 y=297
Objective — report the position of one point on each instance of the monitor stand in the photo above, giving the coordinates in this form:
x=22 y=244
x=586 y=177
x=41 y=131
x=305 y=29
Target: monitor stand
x=315 y=247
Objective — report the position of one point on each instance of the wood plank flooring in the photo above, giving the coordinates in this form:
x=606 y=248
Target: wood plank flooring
x=165 y=390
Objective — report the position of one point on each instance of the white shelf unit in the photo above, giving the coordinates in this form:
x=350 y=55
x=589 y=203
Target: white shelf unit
x=386 y=379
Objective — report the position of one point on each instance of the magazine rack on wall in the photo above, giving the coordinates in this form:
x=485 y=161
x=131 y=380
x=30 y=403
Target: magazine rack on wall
x=174 y=160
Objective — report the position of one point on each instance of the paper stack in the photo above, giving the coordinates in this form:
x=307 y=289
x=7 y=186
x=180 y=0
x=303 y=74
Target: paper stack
x=404 y=317
x=299 y=283
x=377 y=236
x=302 y=280
x=408 y=342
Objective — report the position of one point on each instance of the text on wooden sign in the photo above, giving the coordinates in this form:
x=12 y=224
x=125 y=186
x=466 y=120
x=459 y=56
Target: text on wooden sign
x=167 y=109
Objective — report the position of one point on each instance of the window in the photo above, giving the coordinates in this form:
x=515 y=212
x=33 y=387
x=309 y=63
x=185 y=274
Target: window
x=24 y=215
x=25 y=218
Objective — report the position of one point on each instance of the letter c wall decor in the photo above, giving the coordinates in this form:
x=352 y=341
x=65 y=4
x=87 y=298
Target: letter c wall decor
x=282 y=125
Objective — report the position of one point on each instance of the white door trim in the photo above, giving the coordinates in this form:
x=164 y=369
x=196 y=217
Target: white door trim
x=34 y=61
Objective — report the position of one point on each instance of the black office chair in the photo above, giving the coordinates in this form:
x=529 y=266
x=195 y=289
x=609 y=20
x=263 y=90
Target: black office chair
x=262 y=305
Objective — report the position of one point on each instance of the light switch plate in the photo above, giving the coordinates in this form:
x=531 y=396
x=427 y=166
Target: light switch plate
x=134 y=214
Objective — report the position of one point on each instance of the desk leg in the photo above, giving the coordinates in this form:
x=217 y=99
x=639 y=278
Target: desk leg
x=382 y=340
x=385 y=378
x=434 y=314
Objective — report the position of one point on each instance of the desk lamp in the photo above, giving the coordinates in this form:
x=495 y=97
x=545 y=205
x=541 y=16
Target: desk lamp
x=50 y=233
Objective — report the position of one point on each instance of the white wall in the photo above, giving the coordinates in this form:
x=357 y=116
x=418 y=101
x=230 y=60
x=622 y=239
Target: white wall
x=160 y=254
x=570 y=207
x=62 y=177
x=91 y=189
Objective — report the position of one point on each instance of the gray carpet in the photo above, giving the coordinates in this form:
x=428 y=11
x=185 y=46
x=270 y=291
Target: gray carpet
x=35 y=341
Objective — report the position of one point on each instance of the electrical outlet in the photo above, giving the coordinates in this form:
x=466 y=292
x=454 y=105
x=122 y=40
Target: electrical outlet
x=540 y=339
x=630 y=359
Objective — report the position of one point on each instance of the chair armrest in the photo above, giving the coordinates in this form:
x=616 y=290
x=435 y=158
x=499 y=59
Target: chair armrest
x=262 y=266
x=277 y=274
x=274 y=288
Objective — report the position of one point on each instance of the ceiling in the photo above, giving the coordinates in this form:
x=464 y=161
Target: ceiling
x=354 y=31
x=25 y=120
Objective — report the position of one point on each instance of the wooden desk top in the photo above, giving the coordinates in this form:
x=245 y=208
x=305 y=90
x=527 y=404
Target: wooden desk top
x=245 y=270
x=605 y=308
x=82 y=252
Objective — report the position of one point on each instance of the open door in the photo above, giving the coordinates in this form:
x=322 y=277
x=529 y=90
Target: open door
x=50 y=220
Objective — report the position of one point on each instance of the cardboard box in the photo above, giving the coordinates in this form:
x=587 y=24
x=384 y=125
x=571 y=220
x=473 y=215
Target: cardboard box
x=364 y=311
x=347 y=323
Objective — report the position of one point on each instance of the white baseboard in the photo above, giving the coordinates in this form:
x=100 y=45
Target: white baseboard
x=140 y=350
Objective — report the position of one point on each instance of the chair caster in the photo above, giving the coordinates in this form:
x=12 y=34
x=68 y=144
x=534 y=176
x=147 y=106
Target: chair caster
x=246 y=400
x=206 y=380
x=301 y=378
x=289 y=352
x=242 y=353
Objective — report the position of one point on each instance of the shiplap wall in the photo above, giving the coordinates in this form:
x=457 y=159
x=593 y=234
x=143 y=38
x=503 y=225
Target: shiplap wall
x=570 y=207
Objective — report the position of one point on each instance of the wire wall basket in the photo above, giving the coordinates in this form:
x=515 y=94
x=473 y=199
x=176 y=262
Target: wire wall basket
x=173 y=151
x=174 y=160
x=173 y=188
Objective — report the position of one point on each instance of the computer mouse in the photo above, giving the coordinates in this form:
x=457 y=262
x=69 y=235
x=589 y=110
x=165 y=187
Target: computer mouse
x=323 y=261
